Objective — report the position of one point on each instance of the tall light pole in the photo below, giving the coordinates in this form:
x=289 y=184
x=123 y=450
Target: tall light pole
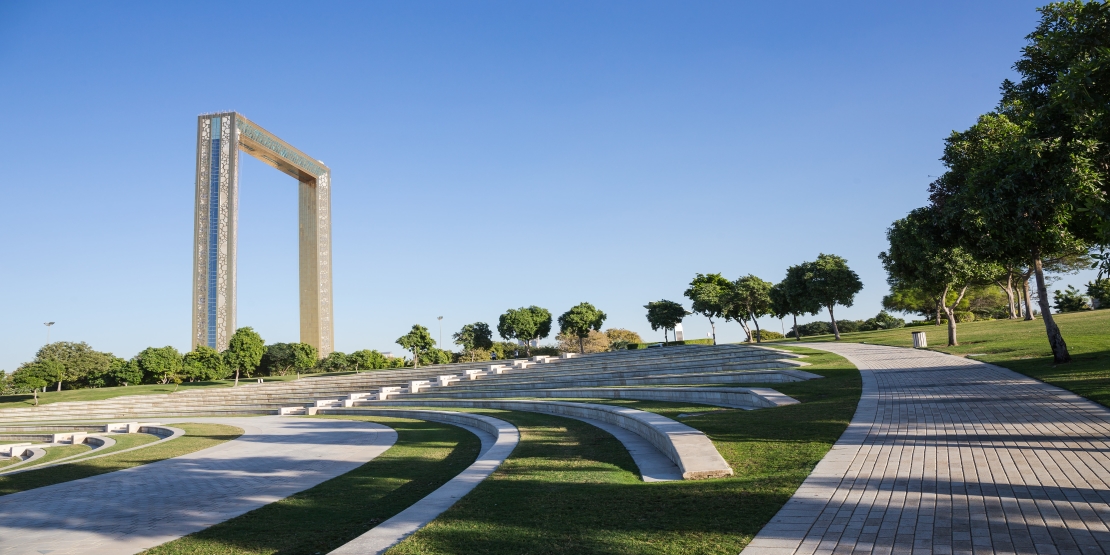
x=440 y=332
x=48 y=324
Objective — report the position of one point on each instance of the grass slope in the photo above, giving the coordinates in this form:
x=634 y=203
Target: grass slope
x=197 y=437
x=1023 y=347
x=572 y=488
x=324 y=517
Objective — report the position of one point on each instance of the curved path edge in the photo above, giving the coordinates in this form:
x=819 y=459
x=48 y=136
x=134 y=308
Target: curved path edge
x=499 y=438
x=788 y=528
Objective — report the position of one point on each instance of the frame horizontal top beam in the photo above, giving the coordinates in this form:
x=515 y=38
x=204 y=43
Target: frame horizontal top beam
x=271 y=150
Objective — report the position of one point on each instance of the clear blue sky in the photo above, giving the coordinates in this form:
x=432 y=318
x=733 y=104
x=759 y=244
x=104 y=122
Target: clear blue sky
x=485 y=155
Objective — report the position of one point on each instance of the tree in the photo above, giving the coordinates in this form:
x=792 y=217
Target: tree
x=277 y=359
x=595 y=342
x=919 y=257
x=125 y=371
x=1009 y=194
x=619 y=338
x=159 y=364
x=334 y=362
x=830 y=282
x=748 y=298
x=78 y=359
x=435 y=356
x=304 y=356
x=579 y=321
x=705 y=292
x=368 y=360
x=525 y=325
x=204 y=364
x=789 y=297
x=664 y=314
x=417 y=340
x=1063 y=94
x=244 y=352
x=1070 y=300
x=33 y=376
x=474 y=336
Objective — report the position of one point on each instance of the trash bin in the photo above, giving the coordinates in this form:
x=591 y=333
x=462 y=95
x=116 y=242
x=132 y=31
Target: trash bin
x=919 y=340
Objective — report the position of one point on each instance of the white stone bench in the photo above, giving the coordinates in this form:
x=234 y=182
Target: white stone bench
x=14 y=450
x=474 y=374
x=416 y=385
x=446 y=380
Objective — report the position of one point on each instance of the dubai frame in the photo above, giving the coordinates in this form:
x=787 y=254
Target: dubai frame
x=219 y=139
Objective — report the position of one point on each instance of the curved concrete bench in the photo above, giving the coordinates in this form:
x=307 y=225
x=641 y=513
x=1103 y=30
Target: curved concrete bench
x=731 y=397
x=404 y=523
x=165 y=433
x=689 y=449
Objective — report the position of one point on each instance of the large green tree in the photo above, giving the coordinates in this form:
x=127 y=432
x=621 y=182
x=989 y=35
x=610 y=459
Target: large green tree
x=789 y=297
x=1063 y=96
x=417 y=341
x=79 y=361
x=244 y=352
x=664 y=314
x=204 y=364
x=1009 y=194
x=34 y=376
x=159 y=364
x=706 y=292
x=919 y=257
x=580 y=320
x=830 y=282
x=525 y=325
x=748 y=298
x=305 y=356
x=474 y=336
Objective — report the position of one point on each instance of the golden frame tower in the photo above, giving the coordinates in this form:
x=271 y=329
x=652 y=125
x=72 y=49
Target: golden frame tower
x=220 y=137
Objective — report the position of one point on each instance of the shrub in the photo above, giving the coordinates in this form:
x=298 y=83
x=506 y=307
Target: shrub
x=1070 y=300
x=766 y=335
x=848 y=326
x=1099 y=291
x=919 y=323
x=813 y=328
x=434 y=356
x=596 y=342
x=882 y=321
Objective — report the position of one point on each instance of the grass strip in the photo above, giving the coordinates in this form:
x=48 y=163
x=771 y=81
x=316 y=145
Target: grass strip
x=197 y=437
x=1022 y=347
x=324 y=517
x=572 y=488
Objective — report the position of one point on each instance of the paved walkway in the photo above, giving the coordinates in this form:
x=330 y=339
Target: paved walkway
x=949 y=455
x=126 y=511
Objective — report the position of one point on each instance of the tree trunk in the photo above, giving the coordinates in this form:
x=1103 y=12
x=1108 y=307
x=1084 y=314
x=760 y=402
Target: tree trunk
x=936 y=313
x=796 y=336
x=1028 y=297
x=581 y=345
x=1008 y=289
x=236 y=378
x=836 y=331
x=758 y=333
x=59 y=386
x=36 y=392
x=1055 y=339
x=714 y=328
x=747 y=330
x=951 y=312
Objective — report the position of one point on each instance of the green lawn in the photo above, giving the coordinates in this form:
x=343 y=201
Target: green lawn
x=572 y=488
x=197 y=437
x=1021 y=346
x=324 y=517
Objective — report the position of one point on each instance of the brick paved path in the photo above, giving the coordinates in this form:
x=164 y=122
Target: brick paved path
x=949 y=455
x=126 y=511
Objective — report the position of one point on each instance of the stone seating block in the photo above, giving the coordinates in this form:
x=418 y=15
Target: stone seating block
x=474 y=374
x=416 y=385
x=565 y=356
x=77 y=438
x=542 y=359
x=327 y=403
x=522 y=363
x=385 y=392
x=15 y=449
x=446 y=380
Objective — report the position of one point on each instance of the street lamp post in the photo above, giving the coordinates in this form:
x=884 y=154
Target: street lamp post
x=440 y=332
x=48 y=324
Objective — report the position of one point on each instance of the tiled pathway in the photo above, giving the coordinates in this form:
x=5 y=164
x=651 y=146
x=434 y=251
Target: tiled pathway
x=126 y=511
x=949 y=455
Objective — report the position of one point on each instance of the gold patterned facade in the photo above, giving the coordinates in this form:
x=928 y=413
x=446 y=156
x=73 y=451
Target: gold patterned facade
x=220 y=137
